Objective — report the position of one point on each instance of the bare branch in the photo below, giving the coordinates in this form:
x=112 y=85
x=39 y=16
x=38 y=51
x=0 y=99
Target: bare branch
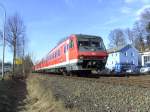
x=130 y=35
x=117 y=38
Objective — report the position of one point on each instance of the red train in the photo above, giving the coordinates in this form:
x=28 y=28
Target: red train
x=75 y=54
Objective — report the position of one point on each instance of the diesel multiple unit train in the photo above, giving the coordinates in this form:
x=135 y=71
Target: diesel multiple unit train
x=77 y=53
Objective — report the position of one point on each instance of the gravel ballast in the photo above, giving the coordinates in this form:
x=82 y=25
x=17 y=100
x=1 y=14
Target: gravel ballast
x=92 y=96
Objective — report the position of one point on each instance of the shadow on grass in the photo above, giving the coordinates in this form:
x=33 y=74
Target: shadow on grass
x=12 y=95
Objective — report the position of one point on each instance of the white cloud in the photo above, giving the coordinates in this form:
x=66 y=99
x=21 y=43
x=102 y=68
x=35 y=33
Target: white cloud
x=142 y=11
x=129 y=1
x=145 y=1
x=126 y=10
x=139 y=1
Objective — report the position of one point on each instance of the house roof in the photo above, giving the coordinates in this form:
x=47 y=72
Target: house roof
x=145 y=53
x=119 y=49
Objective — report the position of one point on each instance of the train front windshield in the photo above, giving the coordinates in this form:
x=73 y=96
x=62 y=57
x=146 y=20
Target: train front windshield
x=90 y=44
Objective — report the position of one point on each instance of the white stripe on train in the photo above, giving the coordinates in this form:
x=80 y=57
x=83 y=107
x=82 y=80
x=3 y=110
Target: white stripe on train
x=60 y=64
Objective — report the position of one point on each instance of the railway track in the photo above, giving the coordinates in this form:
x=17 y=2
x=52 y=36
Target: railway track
x=136 y=80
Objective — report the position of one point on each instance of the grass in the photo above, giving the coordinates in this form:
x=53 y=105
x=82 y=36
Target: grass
x=40 y=99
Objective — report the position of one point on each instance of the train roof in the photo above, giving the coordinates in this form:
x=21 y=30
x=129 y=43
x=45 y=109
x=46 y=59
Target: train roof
x=87 y=36
x=78 y=36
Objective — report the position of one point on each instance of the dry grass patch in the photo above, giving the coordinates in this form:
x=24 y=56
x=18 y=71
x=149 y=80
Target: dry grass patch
x=40 y=98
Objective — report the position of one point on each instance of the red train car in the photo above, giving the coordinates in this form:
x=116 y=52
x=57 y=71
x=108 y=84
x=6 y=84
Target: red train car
x=76 y=53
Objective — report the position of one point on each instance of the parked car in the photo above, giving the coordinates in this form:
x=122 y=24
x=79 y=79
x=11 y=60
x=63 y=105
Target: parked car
x=134 y=69
x=105 y=71
x=6 y=69
x=125 y=68
x=146 y=68
x=138 y=68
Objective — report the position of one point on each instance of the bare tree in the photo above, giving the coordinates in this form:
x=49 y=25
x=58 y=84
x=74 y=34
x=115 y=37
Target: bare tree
x=144 y=16
x=148 y=34
x=129 y=33
x=15 y=31
x=139 y=33
x=148 y=42
x=117 y=38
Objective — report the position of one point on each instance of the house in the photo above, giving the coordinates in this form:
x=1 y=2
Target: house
x=145 y=57
x=126 y=54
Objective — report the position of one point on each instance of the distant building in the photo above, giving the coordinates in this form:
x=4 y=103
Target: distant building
x=145 y=57
x=5 y=64
x=126 y=54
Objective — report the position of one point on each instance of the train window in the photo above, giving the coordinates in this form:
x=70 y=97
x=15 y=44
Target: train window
x=71 y=44
x=58 y=52
x=67 y=47
x=95 y=44
x=55 y=55
x=64 y=48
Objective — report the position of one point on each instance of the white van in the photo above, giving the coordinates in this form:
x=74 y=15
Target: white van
x=145 y=68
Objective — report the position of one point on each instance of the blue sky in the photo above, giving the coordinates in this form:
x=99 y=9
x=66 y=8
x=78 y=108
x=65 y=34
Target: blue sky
x=47 y=21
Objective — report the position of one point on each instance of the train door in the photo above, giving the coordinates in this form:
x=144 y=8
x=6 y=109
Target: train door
x=72 y=50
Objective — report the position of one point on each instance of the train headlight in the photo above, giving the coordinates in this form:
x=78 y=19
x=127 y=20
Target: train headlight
x=81 y=57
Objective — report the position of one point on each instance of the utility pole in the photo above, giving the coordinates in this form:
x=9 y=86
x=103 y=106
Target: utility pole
x=3 y=60
x=23 y=59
